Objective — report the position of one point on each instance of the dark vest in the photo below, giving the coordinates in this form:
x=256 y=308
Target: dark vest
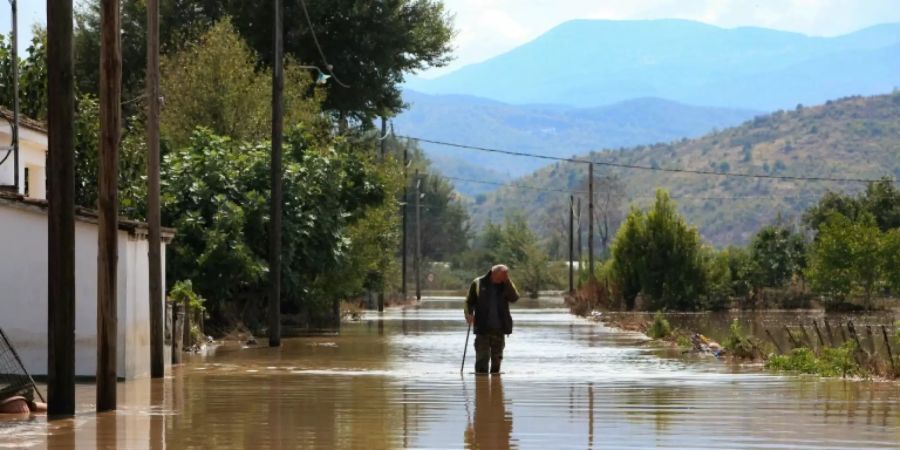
x=482 y=306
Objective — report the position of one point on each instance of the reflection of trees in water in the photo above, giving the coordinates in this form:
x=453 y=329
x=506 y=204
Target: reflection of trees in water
x=662 y=401
x=228 y=406
x=491 y=427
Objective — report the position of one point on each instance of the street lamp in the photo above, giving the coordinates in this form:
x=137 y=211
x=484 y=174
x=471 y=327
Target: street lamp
x=322 y=77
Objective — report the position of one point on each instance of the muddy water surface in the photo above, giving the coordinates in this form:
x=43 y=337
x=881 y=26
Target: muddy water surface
x=393 y=381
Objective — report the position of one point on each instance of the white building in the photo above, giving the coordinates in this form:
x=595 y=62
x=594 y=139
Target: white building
x=23 y=271
x=32 y=155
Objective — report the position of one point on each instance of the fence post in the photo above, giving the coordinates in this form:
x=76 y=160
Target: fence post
x=774 y=341
x=178 y=334
x=818 y=333
x=887 y=345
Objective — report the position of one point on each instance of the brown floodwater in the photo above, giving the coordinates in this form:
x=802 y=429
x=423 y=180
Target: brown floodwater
x=393 y=381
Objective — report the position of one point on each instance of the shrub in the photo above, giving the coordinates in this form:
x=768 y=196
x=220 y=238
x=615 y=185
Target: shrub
x=738 y=343
x=801 y=360
x=839 y=361
x=660 y=327
x=834 y=362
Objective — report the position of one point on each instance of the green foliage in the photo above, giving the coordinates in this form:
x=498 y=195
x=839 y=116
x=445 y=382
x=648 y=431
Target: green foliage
x=369 y=263
x=182 y=292
x=834 y=361
x=217 y=195
x=890 y=260
x=663 y=255
x=371 y=44
x=515 y=245
x=132 y=160
x=627 y=257
x=846 y=258
x=777 y=253
x=445 y=228
x=659 y=328
x=214 y=83
x=32 y=76
x=721 y=283
x=801 y=360
x=881 y=200
x=737 y=343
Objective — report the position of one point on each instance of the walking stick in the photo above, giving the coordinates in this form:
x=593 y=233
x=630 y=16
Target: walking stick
x=463 y=363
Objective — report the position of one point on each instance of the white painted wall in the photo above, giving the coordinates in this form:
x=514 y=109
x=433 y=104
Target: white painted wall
x=23 y=293
x=32 y=155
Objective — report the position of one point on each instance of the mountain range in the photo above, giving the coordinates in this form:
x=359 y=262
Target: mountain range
x=549 y=129
x=589 y=63
x=855 y=137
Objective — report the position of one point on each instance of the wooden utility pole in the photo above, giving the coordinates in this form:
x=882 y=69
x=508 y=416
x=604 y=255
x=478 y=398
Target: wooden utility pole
x=157 y=358
x=61 y=211
x=571 y=244
x=404 y=210
x=591 y=221
x=578 y=216
x=382 y=158
x=277 y=174
x=17 y=183
x=418 y=257
x=108 y=203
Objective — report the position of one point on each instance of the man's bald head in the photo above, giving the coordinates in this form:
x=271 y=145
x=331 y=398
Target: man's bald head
x=499 y=274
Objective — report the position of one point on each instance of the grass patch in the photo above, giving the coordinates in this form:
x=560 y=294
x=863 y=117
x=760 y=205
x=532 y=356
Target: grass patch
x=834 y=362
x=659 y=328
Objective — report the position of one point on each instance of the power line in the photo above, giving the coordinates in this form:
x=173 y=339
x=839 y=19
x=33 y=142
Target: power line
x=639 y=167
x=517 y=186
x=312 y=31
x=683 y=197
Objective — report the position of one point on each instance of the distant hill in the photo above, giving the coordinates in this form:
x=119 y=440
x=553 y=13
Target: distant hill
x=589 y=63
x=856 y=137
x=555 y=130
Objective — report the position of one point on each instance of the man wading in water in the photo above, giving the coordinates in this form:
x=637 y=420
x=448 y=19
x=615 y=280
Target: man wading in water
x=487 y=307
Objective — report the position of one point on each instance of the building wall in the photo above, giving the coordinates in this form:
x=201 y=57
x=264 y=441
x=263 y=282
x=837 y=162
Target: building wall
x=23 y=294
x=32 y=155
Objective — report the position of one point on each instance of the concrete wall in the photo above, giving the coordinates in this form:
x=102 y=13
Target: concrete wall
x=23 y=293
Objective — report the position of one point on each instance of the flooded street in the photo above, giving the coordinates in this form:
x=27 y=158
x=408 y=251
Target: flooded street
x=392 y=381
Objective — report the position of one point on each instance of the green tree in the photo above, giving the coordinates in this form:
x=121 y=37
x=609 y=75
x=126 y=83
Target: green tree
x=778 y=253
x=890 y=259
x=515 y=245
x=661 y=251
x=445 y=230
x=371 y=45
x=720 y=279
x=845 y=259
x=881 y=200
x=628 y=256
x=214 y=83
x=217 y=195
x=32 y=76
x=673 y=275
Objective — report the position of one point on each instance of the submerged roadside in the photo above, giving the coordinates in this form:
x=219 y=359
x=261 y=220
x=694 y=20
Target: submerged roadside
x=858 y=345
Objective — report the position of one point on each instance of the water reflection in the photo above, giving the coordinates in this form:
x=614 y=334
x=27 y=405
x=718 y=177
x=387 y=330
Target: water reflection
x=392 y=381
x=492 y=425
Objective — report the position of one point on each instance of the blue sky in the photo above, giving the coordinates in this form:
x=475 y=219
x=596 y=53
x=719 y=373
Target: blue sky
x=490 y=27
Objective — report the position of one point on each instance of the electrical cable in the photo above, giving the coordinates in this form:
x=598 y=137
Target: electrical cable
x=684 y=197
x=312 y=31
x=639 y=167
